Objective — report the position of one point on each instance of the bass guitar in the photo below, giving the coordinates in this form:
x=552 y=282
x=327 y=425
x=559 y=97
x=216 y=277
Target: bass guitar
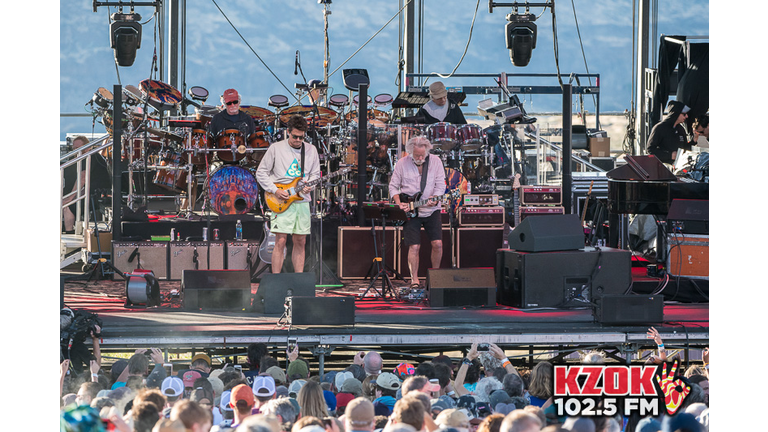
x=415 y=201
x=294 y=188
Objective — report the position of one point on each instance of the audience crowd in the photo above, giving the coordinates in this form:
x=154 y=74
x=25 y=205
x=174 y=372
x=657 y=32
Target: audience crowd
x=482 y=392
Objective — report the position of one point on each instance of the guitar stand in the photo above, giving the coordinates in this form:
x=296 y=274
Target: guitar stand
x=373 y=211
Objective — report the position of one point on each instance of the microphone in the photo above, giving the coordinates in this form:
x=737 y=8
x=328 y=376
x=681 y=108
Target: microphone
x=133 y=255
x=296 y=64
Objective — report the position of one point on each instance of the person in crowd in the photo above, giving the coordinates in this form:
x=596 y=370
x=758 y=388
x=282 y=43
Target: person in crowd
x=701 y=132
x=145 y=415
x=194 y=417
x=409 y=410
x=283 y=162
x=359 y=416
x=540 y=389
x=200 y=363
x=520 y=421
x=420 y=173
x=263 y=391
x=138 y=366
x=242 y=401
x=283 y=409
x=439 y=108
x=255 y=352
x=312 y=401
x=372 y=363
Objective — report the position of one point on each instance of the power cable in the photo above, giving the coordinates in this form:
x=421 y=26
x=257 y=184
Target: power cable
x=466 y=47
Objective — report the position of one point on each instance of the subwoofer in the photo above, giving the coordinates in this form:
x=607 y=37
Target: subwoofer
x=314 y=311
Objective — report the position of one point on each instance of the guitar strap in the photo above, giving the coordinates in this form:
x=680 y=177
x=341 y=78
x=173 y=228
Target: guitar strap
x=424 y=173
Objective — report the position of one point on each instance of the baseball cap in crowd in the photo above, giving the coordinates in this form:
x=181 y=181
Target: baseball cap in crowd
x=330 y=400
x=404 y=370
x=200 y=393
x=432 y=385
x=241 y=392
x=189 y=378
x=155 y=379
x=455 y=418
x=297 y=367
x=172 y=386
x=352 y=385
x=276 y=372
x=229 y=96
x=360 y=413
x=225 y=398
x=469 y=403
x=438 y=405
x=340 y=377
x=329 y=377
x=263 y=386
x=293 y=389
x=117 y=368
x=388 y=381
x=343 y=399
x=499 y=396
x=281 y=391
x=203 y=356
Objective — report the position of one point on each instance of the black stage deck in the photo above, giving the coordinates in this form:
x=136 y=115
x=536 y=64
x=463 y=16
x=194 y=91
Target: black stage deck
x=388 y=325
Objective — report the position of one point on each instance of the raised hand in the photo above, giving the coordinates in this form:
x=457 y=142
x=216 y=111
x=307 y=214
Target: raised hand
x=674 y=389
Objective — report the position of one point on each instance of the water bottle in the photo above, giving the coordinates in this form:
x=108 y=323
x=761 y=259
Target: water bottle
x=239 y=230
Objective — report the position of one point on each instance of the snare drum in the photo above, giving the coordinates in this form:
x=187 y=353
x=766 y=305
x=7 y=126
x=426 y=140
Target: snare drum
x=175 y=176
x=228 y=139
x=232 y=190
x=442 y=135
x=470 y=137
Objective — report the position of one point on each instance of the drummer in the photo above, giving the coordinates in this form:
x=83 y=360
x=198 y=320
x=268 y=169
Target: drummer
x=439 y=109
x=231 y=117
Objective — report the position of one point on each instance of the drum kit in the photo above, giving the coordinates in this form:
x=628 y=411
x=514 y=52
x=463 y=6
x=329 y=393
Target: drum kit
x=184 y=155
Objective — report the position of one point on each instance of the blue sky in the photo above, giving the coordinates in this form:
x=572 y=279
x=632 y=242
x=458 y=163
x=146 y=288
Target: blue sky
x=217 y=58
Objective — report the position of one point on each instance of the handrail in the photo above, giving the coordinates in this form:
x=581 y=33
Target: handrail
x=558 y=148
x=82 y=192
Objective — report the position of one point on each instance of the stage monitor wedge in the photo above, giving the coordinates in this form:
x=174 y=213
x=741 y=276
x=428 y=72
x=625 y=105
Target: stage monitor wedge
x=275 y=287
x=216 y=289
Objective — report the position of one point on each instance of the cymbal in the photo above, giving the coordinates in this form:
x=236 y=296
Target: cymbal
x=327 y=115
x=258 y=113
x=165 y=134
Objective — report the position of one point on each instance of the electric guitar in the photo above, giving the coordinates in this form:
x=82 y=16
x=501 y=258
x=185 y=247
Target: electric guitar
x=267 y=246
x=294 y=188
x=415 y=201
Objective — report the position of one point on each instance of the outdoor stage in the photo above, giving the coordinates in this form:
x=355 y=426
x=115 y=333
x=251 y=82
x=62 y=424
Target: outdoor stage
x=401 y=329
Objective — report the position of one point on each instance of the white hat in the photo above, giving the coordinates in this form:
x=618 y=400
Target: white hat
x=224 y=404
x=263 y=386
x=172 y=386
x=341 y=377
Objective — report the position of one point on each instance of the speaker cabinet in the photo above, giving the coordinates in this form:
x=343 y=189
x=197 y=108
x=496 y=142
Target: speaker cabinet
x=187 y=255
x=547 y=233
x=216 y=289
x=425 y=254
x=128 y=256
x=275 y=287
x=476 y=247
x=461 y=287
x=238 y=253
x=630 y=309
x=356 y=249
x=561 y=279
x=322 y=311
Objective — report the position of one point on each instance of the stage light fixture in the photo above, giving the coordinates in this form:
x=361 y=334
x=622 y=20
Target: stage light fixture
x=521 y=37
x=125 y=37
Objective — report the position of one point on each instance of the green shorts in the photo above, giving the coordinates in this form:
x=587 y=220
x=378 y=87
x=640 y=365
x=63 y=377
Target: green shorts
x=294 y=220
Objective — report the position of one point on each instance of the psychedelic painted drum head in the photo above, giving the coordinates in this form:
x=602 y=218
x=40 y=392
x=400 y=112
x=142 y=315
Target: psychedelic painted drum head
x=233 y=190
x=161 y=95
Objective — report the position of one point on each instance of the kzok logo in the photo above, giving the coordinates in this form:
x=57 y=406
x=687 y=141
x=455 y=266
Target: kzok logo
x=608 y=390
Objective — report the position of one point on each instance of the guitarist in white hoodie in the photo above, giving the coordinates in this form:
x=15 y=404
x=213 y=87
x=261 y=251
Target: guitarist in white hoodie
x=410 y=173
x=282 y=163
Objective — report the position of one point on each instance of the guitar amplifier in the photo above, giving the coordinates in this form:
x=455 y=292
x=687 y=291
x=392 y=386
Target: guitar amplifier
x=481 y=216
x=356 y=250
x=526 y=211
x=127 y=256
x=471 y=200
x=184 y=254
x=425 y=254
x=541 y=195
x=476 y=246
x=237 y=254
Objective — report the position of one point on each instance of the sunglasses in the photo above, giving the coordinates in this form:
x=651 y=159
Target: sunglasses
x=232 y=103
x=297 y=137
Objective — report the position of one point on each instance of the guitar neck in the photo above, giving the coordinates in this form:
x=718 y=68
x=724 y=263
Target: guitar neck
x=312 y=183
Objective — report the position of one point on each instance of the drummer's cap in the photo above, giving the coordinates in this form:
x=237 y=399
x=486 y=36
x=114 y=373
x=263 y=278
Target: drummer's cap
x=230 y=95
x=437 y=90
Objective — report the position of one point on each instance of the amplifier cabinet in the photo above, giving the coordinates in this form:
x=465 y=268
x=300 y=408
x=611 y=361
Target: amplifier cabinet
x=481 y=216
x=128 y=256
x=425 y=254
x=561 y=279
x=688 y=255
x=461 y=287
x=541 y=195
x=476 y=246
x=237 y=254
x=356 y=250
x=187 y=255
x=526 y=211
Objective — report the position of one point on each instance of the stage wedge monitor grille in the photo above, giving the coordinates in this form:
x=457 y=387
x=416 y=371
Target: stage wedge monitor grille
x=315 y=311
x=275 y=287
x=216 y=289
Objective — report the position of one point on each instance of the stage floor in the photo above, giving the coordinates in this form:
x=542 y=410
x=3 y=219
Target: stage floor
x=384 y=324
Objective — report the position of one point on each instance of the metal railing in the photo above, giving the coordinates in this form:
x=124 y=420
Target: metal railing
x=81 y=195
